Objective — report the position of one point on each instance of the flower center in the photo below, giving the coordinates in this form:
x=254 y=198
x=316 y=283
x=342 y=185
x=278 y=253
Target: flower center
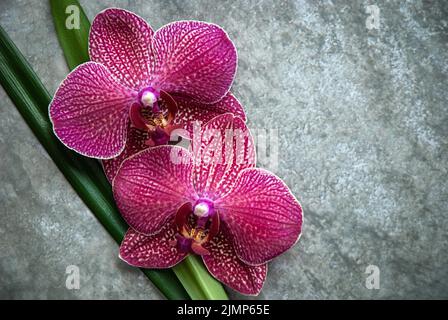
x=154 y=112
x=197 y=224
x=149 y=97
x=203 y=208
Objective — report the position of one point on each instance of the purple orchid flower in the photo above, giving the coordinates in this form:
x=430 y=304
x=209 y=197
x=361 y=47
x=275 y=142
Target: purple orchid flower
x=209 y=200
x=137 y=140
x=143 y=80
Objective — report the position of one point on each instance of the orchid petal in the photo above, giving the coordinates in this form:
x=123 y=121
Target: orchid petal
x=263 y=216
x=90 y=112
x=190 y=111
x=225 y=266
x=135 y=142
x=156 y=251
x=150 y=186
x=121 y=40
x=194 y=59
x=224 y=148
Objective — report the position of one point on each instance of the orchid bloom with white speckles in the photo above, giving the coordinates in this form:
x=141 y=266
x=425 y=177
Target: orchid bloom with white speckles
x=210 y=201
x=142 y=83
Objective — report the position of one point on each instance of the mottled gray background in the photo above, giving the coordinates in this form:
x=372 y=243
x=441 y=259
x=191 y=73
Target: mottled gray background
x=362 y=139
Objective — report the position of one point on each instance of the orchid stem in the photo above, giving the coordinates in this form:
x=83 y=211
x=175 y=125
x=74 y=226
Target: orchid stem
x=198 y=282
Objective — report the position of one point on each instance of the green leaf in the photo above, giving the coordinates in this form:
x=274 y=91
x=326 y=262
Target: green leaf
x=198 y=282
x=192 y=273
x=73 y=34
x=85 y=175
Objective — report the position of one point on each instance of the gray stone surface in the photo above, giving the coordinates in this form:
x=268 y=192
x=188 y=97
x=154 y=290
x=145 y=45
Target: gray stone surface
x=361 y=117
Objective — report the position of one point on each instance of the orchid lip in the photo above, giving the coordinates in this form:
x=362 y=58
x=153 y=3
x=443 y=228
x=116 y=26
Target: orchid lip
x=183 y=244
x=194 y=233
x=154 y=112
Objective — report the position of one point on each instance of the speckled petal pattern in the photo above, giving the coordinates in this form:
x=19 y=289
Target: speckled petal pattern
x=121 y=41
x=194 y=59
x=262 y=214
x=150 y=186
x=89 y=112
x=154 y=251
x=190 y=111
x=135 y=143
x=225 y=148
x=225 y=266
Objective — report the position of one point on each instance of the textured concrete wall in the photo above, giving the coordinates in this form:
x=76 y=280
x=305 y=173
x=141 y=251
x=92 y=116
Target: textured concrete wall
x=361 y=117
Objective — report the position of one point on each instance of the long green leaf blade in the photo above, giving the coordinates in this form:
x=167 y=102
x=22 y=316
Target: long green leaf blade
x=198 y=282
x=32 y=99
x=72 y=32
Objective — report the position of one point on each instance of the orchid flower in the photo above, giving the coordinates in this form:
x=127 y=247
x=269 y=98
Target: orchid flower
x=137 y=140
x=143 y=80
x=209 y=200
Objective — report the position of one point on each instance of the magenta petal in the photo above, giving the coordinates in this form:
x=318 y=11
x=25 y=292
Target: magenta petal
x=156 y=251
x=263 y=216
x=190 y=111
x=194 y=59
x=90 y=111
x=135 y=143
x=150 y=186
x=224 y=149
x=224 y=265
x=121 y=40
